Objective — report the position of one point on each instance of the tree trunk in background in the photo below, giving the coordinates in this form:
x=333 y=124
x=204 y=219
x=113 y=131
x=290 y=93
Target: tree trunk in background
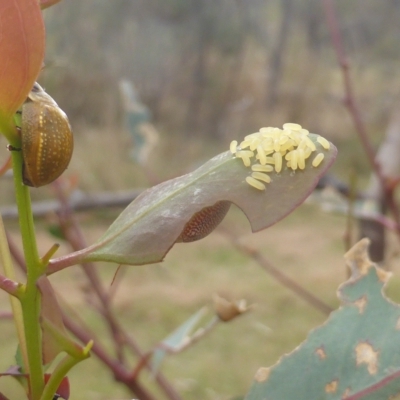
x=276 y=60
x=389 y=160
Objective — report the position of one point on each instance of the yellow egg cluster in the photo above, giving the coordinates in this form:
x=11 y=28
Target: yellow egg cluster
x=269 y=149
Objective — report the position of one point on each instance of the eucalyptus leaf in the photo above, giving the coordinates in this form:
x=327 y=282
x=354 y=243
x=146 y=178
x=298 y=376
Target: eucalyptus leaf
x=354 y=355
x=146 y=230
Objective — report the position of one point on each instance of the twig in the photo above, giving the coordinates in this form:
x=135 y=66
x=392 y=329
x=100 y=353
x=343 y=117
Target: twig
x=120 y=373
x=373 y=388
x=349 y=99
x=352 y=106
x=77 y=241
x=279 y=275
x=348 y=234
x=8 y=285
x=79 y=202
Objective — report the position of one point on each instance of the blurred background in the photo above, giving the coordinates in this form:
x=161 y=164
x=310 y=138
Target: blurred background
x=197 y=74
x=211 y=71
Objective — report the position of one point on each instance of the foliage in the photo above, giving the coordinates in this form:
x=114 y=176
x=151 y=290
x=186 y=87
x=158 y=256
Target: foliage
x=353 y=355
x=350 y=357
x=150 y=225
x=143 y=233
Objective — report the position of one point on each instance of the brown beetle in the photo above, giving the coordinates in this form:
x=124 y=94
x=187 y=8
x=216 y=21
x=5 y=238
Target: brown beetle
x=202 y=223
x=46 y=139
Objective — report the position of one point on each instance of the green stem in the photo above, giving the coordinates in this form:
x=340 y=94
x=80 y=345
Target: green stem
x=7 y=128
x=30 y=300
x=57 y=376
x=61 y=371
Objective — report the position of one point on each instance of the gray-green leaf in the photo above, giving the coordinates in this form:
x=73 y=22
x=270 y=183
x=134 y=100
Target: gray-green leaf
x=146 y=230
x=354 y=355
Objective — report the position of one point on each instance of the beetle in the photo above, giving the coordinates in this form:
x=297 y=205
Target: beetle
x=46 y=139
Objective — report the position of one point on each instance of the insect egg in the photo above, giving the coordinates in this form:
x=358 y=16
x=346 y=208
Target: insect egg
x=323 y=142
x=262 y=168
x=310 y=143
x=278 y=161
x=261 y=176
x=290 y=126
x=276 y=150
x=261 y=155
x=318 y=159
x=233 y=146
x=294 y=159
x=245 y=143
x=301 y=160
x=307 y=152
x=255 y=183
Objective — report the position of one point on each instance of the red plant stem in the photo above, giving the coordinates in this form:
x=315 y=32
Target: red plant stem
x=17 y=255
x=60 y=263
x=88 y=268
x=348 y=88
x=351 y=104
x=119 y=371
x=280 y=276
x=373 y=388
x=85 y=336
x=77 y=240
x=121 y=374
x=392 y=205
x=8 y=285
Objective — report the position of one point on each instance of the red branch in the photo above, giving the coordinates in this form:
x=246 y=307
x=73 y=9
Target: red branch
x=282 y=278
x=349 y=99
x=353 y=108
x=373 y=388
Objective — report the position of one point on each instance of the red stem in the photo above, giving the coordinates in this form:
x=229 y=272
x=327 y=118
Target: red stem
x=330 y=14
x=282 y=278
x=349 y=99
x=119 y=371
x=8 y=285
x=373 y=388
x=77 y=240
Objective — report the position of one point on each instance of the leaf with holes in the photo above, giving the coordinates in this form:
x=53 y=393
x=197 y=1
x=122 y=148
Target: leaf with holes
x=191 y=206
x=354 y=355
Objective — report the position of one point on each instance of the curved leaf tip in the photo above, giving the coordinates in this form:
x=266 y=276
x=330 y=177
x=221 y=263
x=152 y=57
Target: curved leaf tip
x=191 y=206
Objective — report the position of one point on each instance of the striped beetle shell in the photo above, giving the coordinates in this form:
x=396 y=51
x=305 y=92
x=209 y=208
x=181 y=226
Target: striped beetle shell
x=46 y=139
